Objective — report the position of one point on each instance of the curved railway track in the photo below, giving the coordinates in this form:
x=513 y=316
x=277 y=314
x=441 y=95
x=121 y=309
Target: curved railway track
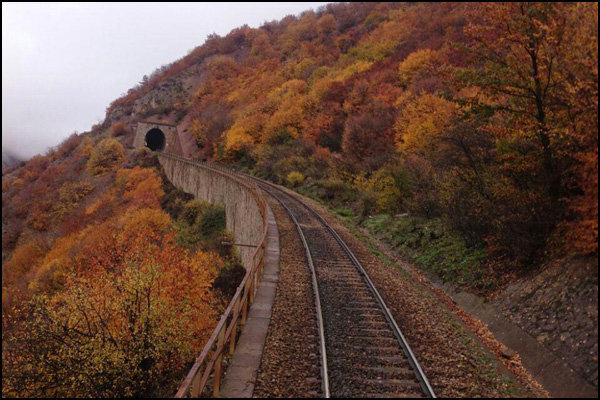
x=363 y=353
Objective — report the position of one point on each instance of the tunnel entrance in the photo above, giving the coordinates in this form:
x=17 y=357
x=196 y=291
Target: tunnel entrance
x=155 y=140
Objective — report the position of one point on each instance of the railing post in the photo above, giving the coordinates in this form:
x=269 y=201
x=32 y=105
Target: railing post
x=195 y=389
x=217 y=378
x=236 y=310
x=255 y=288
x=244 y=311
x=233 y=337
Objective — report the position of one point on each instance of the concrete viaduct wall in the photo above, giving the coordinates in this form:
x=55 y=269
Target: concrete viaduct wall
x=242 y=203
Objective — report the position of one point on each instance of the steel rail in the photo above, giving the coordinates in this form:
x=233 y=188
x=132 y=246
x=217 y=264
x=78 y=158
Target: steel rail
x=420 y=375
x=324 y=370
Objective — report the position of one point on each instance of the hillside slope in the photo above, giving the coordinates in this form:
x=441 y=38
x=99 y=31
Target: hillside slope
x=480 y=116
x=112 y=280
x=466 y=135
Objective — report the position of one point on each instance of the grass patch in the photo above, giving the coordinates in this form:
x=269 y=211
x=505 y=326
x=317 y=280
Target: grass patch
x=345 y=213
x=430 y=245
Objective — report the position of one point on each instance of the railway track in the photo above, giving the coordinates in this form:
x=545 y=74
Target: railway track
x=363 y=353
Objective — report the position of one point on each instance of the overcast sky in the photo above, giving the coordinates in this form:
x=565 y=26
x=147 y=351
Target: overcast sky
x=62 y=64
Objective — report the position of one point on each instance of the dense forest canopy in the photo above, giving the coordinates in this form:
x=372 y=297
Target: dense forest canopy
x=481 y=114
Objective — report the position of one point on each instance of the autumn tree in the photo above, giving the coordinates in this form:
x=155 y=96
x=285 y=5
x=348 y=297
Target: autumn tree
x=123 y=331
x=119 y=308
x=106 y=156
x=119 y=128
x=580 y=71
x=367 y=140
x=529 y=62
x=519 y=48
x=15 y=270
x=141 y=187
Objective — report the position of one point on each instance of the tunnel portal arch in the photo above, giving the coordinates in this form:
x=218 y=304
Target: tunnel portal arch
x=155 y=139
x=158 y=137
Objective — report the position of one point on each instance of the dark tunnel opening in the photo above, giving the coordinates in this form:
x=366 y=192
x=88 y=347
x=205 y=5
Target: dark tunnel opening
x=155 y=140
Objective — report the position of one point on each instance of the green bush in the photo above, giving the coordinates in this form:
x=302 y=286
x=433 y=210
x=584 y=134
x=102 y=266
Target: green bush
x=429 y=243
x=335 y=190
x=199 y=223
x=280 y=137
x=213 y=221
x=193 y=210
x=174 y=200
x=286 y=165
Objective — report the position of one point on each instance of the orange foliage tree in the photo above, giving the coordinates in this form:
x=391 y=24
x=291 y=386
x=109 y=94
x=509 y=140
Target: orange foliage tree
x=535 y=65
x=129 y=325
x=120 y=308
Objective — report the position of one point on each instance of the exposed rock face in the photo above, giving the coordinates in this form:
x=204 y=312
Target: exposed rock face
x=166 y=94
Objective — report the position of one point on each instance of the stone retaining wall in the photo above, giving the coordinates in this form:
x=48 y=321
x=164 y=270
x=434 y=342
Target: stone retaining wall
x=242 y=204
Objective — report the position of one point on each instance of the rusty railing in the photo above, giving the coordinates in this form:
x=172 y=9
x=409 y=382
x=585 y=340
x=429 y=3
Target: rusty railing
x=209 y=364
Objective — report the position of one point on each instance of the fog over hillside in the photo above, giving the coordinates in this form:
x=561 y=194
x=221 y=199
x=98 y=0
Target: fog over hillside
x=62 y=64
x=9 y=159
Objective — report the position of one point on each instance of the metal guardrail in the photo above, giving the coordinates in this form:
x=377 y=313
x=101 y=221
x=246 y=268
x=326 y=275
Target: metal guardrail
x=207 y=370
